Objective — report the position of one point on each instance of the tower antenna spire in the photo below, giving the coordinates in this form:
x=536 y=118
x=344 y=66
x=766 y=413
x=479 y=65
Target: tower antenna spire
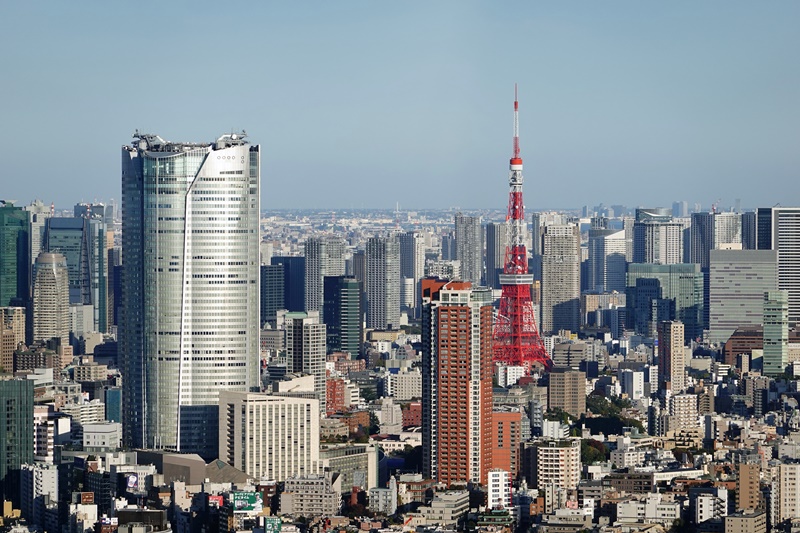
x=516 y=125
x=516 y=339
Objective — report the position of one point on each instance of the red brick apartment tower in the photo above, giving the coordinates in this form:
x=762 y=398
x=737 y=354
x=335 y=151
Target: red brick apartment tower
x=457 y=382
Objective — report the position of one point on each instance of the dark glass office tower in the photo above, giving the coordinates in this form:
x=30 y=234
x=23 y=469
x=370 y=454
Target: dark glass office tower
x=342 y=314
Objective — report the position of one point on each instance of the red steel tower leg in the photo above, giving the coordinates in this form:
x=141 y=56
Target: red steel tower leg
x=516 y=338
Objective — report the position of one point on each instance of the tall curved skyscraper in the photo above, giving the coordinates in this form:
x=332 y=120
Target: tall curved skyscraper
x=190 y=324
x=51 y=298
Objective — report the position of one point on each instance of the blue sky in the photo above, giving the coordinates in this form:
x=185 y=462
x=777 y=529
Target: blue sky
x=365 y=104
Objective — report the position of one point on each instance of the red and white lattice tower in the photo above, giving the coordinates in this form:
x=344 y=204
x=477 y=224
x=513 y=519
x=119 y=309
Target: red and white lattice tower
x=516 y=338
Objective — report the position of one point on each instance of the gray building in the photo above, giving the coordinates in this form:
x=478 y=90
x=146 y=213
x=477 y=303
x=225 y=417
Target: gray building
x=469 y=248
x=738 y=280
x=496 y=243
x=83 y=241
x=561 y=278
x=657 y=238
x=324 y=257
x=383 y=282
x=191 y=287
x=656 y=293
x=776 y=332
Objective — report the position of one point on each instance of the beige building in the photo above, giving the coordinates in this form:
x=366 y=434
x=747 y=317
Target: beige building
x=567 y=391
x=748 y=489
x=51 y=313
x=553 y=462
x=12 y=332
x=269 y=437
x=746 y=522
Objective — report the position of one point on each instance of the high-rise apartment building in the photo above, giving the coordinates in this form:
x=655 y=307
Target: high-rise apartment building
x=412 y=262
x=776 y=332
x=561 y=278
x=82 y=241
x=343 y=314
x=269 y=437
x=671 y=357
x=738 y=280
x=469 y=247
x=748 y=488
x=324 y=257
x=15 y=263
x=657 y=238
x=456 y=382
x=16 y=433
x=383 y=282
x=567 y=391
x=190 y=326
x=305 y=346
x=51 y=298
x=496 y=243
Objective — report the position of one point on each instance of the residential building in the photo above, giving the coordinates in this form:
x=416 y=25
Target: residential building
x=567 y=391
x=748 y=487
x=552 y=463
x=496 y=243
x=412 y=262
x=383 y=283
x=51 y=298
x=776 y=332
x=507 y=435
x=456 y=381
x=324 y=257
x=671 y=356
x=469 y=248
x=38 y=491
x=190 y=328
x=498 y=489
x=305 y=346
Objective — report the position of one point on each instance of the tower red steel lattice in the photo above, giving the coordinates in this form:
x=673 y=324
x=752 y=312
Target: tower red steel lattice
x=516 y=338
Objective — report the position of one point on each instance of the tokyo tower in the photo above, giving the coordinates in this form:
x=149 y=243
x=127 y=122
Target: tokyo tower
x=516 y=338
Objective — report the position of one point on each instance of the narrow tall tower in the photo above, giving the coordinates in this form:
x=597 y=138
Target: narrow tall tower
x=516 y=338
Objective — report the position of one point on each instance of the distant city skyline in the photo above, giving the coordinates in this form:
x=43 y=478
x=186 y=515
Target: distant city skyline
x=364 y=105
